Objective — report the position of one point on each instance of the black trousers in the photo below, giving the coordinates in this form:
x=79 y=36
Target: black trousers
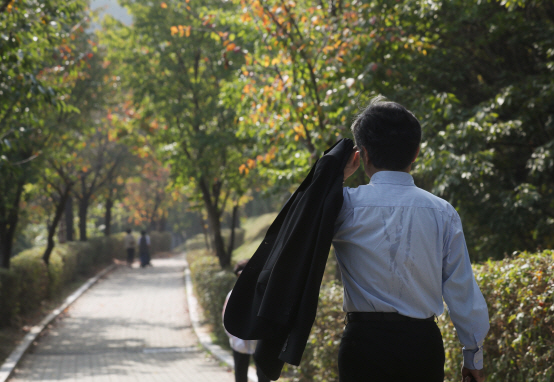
x=390 y=351
x=241 y=368
x=130 y=255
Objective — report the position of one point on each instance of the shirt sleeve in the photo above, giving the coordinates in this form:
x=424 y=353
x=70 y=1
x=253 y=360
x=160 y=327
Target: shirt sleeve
x=466 y=304
x=345 y=211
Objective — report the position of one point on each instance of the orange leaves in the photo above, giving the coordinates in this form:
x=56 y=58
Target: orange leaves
x=181 y=29
x=270 y=154
x=230 y=47
x=112 y=136
x=251 y=163
x=300 y=131
x=245 y=17
x=247 y=89
x=243 y=169
x=164 y=5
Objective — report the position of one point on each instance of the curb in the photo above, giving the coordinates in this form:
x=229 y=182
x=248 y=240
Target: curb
x=13 y=359
x=203 y=334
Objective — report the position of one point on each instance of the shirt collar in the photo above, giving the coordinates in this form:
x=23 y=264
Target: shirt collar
x=392 y=177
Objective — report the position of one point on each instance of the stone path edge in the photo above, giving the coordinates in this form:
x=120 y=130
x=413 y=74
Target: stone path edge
x=9 y=365
x=203 y=334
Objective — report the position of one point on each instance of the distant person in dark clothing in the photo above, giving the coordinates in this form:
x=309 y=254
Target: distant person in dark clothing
x=144 y=249
x=129 y=243
x=242 y=349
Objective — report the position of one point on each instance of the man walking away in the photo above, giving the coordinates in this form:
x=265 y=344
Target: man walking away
x=401 y=250
x=144 y=249
x=129 y=243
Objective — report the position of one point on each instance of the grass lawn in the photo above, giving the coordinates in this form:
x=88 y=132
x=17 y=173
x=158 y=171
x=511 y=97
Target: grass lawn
x=255 y=229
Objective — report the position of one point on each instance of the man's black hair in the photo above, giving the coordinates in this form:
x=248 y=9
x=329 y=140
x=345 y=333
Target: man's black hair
x=390 y=133
x=128 y=230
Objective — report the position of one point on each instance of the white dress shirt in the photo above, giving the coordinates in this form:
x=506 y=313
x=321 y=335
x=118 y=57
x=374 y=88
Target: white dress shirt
x=237 y=344
x=402 y=249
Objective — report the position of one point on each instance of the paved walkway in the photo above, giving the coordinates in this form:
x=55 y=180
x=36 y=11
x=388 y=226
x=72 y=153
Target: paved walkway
x=131 y=326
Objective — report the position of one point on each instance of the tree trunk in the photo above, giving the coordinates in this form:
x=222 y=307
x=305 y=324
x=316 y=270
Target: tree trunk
x=69 y=228
x=234 y=219
x=215 y=225
x=222 y=255
x=162 y=224
x=108 y=217
x=205 y=232
x=8 y=226
x=60 y=206
x=83 y=210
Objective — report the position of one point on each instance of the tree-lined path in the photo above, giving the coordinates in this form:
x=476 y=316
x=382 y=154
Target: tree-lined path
x=133 y=325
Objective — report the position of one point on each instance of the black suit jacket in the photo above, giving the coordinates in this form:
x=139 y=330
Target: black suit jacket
x=275 y=298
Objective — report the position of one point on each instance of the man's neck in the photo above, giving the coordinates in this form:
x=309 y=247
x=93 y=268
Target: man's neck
x=372 y=170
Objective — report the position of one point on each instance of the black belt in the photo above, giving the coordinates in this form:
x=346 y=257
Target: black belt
x=381 y=316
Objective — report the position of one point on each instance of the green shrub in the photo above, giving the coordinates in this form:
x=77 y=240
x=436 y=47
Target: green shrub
x=55 y=274
x=195 y=242
x=9 y=287
x=69 y=259
x=32 y=277
x=212 y=286
x=519 y=347
x=83 y=255
x=160 y=242
x=101 y=249
x=29 y=281
x=319 y=362
x=520 y=344
x=520 y=296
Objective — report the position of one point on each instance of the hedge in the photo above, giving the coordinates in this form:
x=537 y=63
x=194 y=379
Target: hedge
x=212 y=285
x=519 y=347
x=29 y=281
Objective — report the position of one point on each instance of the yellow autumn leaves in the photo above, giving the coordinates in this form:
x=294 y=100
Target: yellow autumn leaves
x=251 y=163
x=182 y=30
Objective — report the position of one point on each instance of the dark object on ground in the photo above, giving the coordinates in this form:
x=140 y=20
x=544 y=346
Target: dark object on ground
x=275 y=298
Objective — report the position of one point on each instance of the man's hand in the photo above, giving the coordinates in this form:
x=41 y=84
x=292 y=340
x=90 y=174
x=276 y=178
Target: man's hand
x=353 y=163
x=467 y=374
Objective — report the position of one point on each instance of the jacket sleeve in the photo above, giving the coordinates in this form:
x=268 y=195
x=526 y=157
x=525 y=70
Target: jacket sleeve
x=466 y=304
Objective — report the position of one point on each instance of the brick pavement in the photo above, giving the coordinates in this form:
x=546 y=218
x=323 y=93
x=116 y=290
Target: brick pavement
x=132 y=326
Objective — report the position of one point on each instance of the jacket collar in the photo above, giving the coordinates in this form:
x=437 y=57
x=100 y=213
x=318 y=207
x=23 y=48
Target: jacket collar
x=392 y=177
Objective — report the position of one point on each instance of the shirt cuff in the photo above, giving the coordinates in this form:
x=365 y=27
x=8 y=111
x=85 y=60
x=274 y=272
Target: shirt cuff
x=473 y=358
